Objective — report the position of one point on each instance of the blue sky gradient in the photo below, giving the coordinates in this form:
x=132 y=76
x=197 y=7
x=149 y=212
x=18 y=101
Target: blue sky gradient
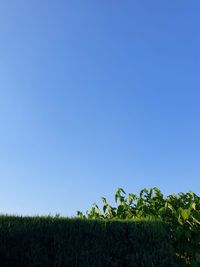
x=96 y=95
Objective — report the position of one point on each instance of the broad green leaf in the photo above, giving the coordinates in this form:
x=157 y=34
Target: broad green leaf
x=185 y=213
x=169 y=206
x=193 y=206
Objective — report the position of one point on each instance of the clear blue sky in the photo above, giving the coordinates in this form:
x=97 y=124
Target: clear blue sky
x=96 y=95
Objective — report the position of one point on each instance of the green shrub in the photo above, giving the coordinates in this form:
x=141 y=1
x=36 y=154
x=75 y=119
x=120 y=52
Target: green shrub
x=62 y=242
x=180 y=211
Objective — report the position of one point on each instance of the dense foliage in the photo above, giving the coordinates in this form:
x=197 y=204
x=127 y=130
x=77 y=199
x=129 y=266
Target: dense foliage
x=64 y=242
x=180 y=211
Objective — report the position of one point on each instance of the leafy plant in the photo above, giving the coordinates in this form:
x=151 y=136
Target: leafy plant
x=180 y=211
